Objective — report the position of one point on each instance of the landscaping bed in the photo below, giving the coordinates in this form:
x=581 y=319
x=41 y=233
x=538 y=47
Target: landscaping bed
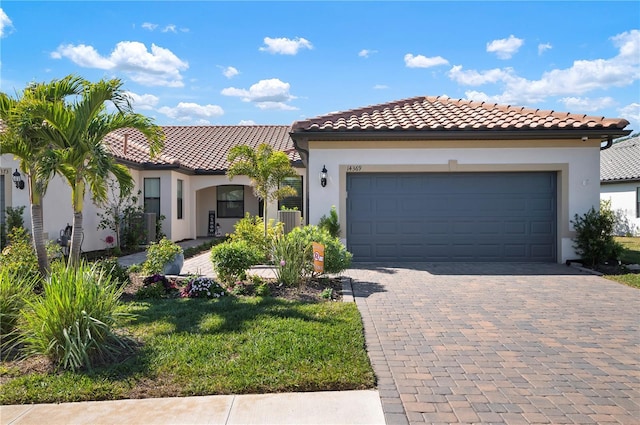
x=229 y=345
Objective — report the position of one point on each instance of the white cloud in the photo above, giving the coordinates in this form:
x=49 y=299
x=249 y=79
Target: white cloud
x=285 y=46
x=631 y=113
x=365 y=53
x=585 y=104
x=380 y=87
x=230 y=72
x=276 y=106
x=266 y=94
x=582 y=77
x=159 y=67
x=505 y=47
x=170 y=28
x=6 y=26
x=185 y=111
x=543 y=47
x=247 y=122
x=149 y=26
x=143 y=101
x=272 y=90
x=421 y=61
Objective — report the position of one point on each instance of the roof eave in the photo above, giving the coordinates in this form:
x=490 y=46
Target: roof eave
x=466 y=134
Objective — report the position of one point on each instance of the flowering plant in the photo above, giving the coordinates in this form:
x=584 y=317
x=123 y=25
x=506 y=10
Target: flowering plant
x=202 y=287
x=109 y=240
x=158 y=286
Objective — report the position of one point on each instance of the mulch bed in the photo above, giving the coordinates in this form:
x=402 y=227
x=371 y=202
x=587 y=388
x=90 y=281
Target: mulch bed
x=310 y=291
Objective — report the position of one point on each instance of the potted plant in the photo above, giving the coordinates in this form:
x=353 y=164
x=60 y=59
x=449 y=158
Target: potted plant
x=164 y=257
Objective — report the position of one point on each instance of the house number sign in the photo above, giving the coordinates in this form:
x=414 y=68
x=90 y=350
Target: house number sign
x=354 y=168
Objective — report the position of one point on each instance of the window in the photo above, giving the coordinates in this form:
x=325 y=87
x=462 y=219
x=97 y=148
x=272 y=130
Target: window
x=638 y=202
x=180 y=205
x=292 y=202
x=230 y=201
x=152 y=196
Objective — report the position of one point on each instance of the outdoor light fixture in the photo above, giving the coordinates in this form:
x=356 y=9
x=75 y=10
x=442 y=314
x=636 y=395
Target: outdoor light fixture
x=17 y=179
x=323 y=176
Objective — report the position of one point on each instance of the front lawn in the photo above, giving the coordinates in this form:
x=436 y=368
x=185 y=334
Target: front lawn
x=630 y=255
x=231 y=345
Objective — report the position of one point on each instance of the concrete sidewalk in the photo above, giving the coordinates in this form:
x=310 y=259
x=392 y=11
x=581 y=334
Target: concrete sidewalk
x=339 y=407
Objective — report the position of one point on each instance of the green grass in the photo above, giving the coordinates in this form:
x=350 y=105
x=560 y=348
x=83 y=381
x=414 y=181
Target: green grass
x=631 y=255
x=223 y=346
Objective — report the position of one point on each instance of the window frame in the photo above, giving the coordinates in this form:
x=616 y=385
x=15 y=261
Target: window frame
x=180 y=199
x=298 y=200
x=224 y=206
x=148 y=200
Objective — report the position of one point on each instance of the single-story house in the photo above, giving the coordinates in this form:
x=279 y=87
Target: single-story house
x=420 y=179
x=620 y=183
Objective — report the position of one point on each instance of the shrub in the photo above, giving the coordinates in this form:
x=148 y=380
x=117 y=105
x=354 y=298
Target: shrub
x=160 y=253
x=232 y=259
x=19 y=257
x=290 y=255
x=112 y=267
x=251 y=230
x=72 y=322
x=594 y=240
x=332 y=223
x=14 y=291
x=336 y=256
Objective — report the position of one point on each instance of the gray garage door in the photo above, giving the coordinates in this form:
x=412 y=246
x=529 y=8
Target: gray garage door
x=452 y=216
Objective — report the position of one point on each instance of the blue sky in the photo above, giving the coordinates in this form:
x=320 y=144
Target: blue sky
x=214 y=62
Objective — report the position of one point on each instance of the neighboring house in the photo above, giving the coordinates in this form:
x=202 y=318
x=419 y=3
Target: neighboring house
x=620 y=183
x=439 y=179
x=186 y=184
x=422 y=179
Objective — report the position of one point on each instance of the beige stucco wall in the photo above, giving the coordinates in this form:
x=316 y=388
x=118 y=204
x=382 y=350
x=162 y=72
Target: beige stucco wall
x=623 y=199
x=577 y=165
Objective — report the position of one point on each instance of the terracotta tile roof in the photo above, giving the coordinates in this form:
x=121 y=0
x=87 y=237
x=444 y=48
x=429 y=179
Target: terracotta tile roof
x=199 y=148
x=621 y=161
x=443 y=113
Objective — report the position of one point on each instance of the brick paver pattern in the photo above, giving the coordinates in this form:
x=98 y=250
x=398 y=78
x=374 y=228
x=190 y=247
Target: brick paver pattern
x=500 y=343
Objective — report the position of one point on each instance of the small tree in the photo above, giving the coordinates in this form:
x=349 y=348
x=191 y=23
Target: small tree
x=267 y=170
x=594 y=235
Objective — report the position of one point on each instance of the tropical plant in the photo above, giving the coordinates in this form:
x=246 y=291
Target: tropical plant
x=77 y=130
x=112 y=267
x=74 y=322
x=594 y=240
x=332 y=223
x=22 y=137
x=14 y=217
x=18 y=258
x=251 y=230
x=266 y=168
x=232 y=259
x=336 y=256
x=290 y=256
x=15 y=289
x=115 y=209
x=160 y=254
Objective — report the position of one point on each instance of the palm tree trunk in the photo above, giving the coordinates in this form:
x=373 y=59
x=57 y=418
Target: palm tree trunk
x=76 y=238
x=264 y=216
x=37 y=233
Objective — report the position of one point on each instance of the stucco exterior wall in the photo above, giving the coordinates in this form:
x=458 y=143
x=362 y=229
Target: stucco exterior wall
x=623 y=197
x=577 y=167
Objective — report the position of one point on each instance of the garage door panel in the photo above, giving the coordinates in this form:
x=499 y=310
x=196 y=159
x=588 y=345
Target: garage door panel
x=452 y=216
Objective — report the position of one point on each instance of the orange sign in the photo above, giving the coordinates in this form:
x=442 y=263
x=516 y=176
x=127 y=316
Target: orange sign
x=318 y=257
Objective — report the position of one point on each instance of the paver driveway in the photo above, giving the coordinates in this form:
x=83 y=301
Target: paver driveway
x=500 y=343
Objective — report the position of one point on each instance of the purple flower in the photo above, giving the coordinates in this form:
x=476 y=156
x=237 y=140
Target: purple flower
x=282 y=263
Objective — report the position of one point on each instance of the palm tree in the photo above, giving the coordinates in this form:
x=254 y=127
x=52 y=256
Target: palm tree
x=20 y=138
x=266 y=168
x=78 y=130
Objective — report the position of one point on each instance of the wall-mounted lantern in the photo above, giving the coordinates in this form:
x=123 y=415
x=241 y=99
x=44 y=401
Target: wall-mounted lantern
x=17 y=179
x=323 y=176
